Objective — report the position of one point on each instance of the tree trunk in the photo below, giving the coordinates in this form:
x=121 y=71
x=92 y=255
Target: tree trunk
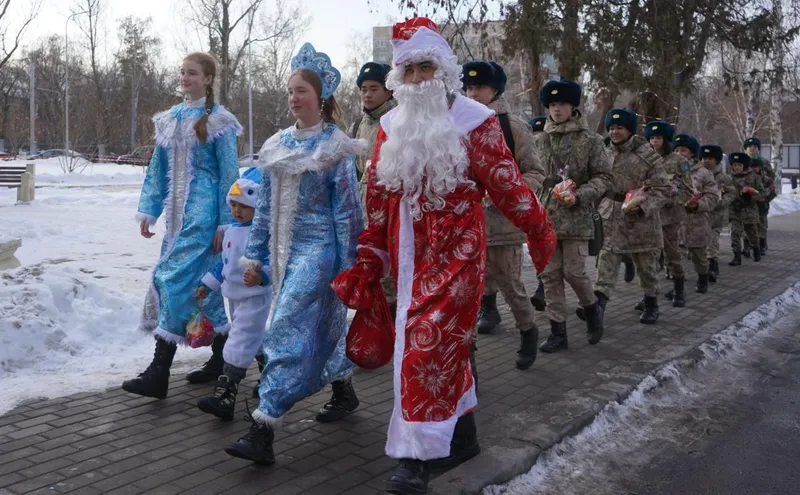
x=225 y=39
x=568 y=63
x=776 y=87
x=134 y=111
x=753 y=97
x=605 y=101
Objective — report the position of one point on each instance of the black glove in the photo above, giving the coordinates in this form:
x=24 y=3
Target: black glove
x=737 y=205
x=551 y=181
x=619 y=197
x=746 y=197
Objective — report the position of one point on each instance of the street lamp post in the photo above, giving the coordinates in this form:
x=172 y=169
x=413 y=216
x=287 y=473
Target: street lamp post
x=66 y=78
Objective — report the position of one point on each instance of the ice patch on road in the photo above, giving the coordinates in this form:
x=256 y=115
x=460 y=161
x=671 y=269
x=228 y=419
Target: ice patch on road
x=668 y=405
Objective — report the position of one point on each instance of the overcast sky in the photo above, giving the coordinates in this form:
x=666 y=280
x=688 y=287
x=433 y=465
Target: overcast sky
x=334 y=22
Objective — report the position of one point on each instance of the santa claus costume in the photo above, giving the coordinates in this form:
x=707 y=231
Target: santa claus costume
x=437 y=154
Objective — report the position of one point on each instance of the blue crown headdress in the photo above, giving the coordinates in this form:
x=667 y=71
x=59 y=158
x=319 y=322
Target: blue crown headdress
x=320 y=64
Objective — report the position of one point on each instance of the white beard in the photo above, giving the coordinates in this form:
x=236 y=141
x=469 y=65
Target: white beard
x=423 y=152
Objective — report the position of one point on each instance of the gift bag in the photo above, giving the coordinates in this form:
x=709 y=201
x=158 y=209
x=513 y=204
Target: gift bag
x=633 y=199
x=370 y=340
x=199 y=330
x=564 y=191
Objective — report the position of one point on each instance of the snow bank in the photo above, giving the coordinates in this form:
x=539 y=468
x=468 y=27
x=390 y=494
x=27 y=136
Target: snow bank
x=49 y=172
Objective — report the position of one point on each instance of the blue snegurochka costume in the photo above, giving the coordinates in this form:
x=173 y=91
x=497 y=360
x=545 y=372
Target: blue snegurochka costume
x=187 y=181
x=306 y=227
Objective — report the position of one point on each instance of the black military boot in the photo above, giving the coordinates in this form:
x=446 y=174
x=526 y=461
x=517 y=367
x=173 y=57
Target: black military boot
x=256 y=445
x=526 y=355
x=737 y=259
x=756 y=253
x=154 y=381
x=212 y=368
x=630 y=268
x=410 y=478
x=538 y=301
x=261 y=365
x=639 y=305
x=488 y=316
x=763 y=245
x=702 y=283
x=713 y=270
x=746 y=248
x=343 y=402
x=463 y=446
x=594 y=325
x=557 y=339
x=650 y=313
x=223 y=403
x=679 y=293
x=580 y=312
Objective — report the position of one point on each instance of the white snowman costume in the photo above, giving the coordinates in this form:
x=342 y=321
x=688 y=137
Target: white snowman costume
x=249 y=306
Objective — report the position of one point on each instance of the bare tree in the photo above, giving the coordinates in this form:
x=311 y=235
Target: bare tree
x=89 y=24
x=10 y=38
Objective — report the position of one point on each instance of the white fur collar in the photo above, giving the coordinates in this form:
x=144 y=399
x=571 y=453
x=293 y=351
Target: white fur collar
x=168 y=132
x=283 y=152
x=467 y=114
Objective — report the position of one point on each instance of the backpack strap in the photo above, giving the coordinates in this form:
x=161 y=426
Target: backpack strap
x=505 y=124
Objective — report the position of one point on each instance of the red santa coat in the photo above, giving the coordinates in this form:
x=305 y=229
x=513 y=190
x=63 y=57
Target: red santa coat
x=439 y=262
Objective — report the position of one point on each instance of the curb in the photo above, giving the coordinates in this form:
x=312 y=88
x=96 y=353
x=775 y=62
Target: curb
x=528 y=437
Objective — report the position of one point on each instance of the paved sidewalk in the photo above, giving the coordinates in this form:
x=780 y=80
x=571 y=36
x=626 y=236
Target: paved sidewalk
x=113 y=442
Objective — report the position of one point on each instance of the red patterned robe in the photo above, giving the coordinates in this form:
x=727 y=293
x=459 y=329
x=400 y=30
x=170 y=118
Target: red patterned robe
x=439 y=264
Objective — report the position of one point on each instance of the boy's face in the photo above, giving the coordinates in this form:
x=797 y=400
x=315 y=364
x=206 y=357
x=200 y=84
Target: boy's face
x=709 y=162
x=685 y=152
x=752 y=150
x=737 y=168
x=755 y=169
x=242 y=213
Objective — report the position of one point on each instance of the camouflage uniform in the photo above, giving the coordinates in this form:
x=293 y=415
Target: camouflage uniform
x=504 y=241
x=582 y=152
x=728 y=192
x=698 y=221
x=368 y=130
x=635 y=164
x=673 y=213
x=744 y=212
x=763 y=203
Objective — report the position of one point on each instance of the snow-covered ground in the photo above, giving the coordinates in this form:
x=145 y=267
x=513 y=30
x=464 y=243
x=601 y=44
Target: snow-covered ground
x=68 y=315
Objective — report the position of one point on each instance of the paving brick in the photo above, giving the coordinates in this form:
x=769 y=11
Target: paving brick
x=31 y=484
x=42 y=468
x=10 y=479
x=28 y=432
x=29 y=441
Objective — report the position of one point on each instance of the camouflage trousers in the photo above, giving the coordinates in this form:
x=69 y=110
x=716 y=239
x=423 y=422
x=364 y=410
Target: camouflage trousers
x=763 y=224
x=568 y=263
x=504 y=273
x=388 y=289
x=713 y=249
x=738 y=229
x=608 y=272
x=673 y=254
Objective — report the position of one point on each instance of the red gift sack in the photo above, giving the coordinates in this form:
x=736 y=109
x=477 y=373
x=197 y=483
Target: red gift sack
x=370 y=340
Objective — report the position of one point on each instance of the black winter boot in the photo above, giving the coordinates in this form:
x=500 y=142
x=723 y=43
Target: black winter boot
x=526 y=355
x=737 y=260
x=410 y=478
x=463 y=446
x=713 y=270
x=702 y=283
x=756 y=253
x=154 y=381
x=488 y=316
x=212 y=368
x=343 y=402
x=594 y=325
x=639 y=305
x=763 y=245
x=261 y=365
x=223 y=403
x=650 y=314
x=557 y=339
x=630 y=268
x=679 y=292
x=538 y=301
x=746 y=248
x=256 y=445
x=580 y=312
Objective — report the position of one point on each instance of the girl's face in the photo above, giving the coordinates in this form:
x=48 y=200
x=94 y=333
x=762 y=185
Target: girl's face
x=685 y=152
x=737 y=167
x=303 y=101
x=657 y=142
x=242 y=213
x=193 y=80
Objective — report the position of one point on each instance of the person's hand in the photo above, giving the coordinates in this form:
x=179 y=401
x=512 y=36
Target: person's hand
x=218 y=241
x=201 y=293
x=252 y=277
x=568 y=200
x=144 y=229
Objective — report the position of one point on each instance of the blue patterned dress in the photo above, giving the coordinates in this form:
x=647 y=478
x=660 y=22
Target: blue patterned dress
x=306 y=227
x=187 y=182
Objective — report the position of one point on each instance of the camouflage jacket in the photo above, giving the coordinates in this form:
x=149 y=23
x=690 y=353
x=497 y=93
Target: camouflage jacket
x=499 y=229
x=368 y=130
x=635 y=164
x=581 y=150
x=677 y=169
x=769 y=191
x=698 y=222
x=743 y=209
x=767 y=169
x=728 y=192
